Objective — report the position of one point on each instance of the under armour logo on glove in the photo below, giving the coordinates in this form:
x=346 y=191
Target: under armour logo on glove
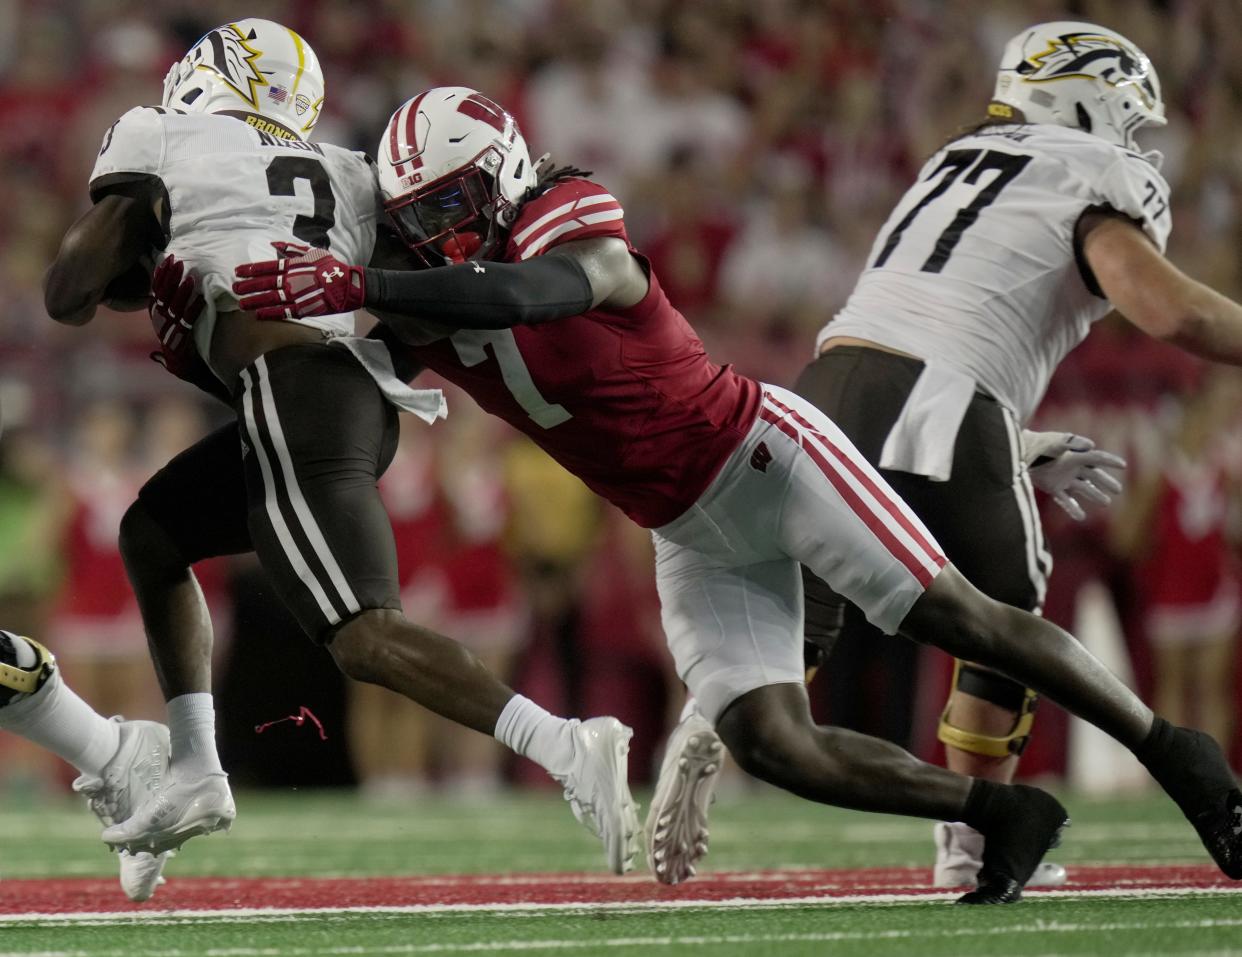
x=304 y=282
x=174 y=308
x=1071 y=469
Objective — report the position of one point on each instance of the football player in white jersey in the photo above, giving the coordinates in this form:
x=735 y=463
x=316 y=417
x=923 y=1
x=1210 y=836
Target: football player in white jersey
x=217 y=175
x=1016 y=237
x=121 y=763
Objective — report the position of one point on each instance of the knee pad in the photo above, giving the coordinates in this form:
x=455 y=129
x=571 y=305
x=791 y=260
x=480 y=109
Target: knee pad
x=1000 y=691
x=19 y=676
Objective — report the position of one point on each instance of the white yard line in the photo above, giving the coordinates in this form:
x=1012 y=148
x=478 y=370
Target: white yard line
x=278 y=914
x=1035 y=927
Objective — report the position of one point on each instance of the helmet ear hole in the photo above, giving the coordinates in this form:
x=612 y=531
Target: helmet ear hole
x=1084 y=118
x=192 y=96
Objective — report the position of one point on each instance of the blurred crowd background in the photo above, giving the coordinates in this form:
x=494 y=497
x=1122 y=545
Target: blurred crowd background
x=757 y=146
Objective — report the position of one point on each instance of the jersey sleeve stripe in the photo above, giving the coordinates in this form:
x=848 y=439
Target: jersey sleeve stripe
x=595 y=200
x=605 y=216
x=569 y=226
x=541 y=222
x=561 y=210
x=574 y=219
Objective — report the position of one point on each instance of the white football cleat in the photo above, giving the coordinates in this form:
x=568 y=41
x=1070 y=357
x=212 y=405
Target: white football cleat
x=134 y=775
x=598 y=790
x=180 y=811
x=677 y=822
x=141 y=873
x=959 y=855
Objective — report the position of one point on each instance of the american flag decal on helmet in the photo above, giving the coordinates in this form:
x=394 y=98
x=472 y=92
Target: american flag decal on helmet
x=277 y=93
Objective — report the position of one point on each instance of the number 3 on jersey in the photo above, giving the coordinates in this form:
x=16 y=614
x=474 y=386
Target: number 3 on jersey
x=282 y=172
x=1006 y=166
x=471 y=346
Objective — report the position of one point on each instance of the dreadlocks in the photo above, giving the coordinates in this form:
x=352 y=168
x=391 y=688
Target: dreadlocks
x=548 y=175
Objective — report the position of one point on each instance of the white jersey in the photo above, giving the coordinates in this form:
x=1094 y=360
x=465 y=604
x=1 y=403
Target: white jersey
x=233 y=189
x=976 y=268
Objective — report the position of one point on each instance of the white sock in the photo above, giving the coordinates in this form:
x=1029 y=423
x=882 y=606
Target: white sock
x=192 y=732
x=54 y=717
x=537 y=734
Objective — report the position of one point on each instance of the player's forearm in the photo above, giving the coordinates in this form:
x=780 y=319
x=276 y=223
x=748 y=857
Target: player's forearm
x=1158 y=297
x=486 y=295
x=1209 y=325
x=73 y=286
x=97 y=248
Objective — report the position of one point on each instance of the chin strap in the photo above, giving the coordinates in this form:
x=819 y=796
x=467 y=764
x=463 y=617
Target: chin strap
x=1000 y=691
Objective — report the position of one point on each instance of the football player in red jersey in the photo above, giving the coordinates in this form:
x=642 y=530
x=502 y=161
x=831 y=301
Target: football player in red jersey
x=537 y=304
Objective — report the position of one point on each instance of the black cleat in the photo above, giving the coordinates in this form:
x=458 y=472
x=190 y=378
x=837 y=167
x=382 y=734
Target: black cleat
x=1220 y=830
x=1191 y=767
x=1013 y=848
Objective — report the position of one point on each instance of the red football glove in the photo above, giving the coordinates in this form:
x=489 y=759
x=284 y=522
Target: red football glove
x=174 y=307
x=304 y=282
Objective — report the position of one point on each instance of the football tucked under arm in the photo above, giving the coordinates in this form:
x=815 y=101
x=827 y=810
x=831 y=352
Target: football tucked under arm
x=131 y=290
x=102 y=258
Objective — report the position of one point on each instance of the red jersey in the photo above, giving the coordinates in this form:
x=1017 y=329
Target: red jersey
x=1191 y=559
x=95 y=581
x=625 y=399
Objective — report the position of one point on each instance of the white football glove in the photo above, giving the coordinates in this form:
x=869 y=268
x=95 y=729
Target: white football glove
x=1071 y=469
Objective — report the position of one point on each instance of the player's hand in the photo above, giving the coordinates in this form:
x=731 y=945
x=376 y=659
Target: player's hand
x=1072 y=470
x=302 y=283
x=174 y=307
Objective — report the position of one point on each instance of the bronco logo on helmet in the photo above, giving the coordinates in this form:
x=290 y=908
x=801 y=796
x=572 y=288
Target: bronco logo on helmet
x=227 y=52
x=1079 y=55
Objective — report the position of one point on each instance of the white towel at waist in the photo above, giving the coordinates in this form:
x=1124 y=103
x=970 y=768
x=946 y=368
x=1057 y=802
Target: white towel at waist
x=922 y=439
x=427 y=404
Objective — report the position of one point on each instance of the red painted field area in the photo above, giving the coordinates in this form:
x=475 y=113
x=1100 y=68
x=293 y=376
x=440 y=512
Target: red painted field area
x=84 y=896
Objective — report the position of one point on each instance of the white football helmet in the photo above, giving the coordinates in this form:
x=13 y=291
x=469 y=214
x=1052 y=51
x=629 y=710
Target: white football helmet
x=453 y=168
x=257 y=68
x=1079 y=75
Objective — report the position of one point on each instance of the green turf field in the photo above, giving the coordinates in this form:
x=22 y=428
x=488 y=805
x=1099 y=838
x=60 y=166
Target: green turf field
x=322 y=835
